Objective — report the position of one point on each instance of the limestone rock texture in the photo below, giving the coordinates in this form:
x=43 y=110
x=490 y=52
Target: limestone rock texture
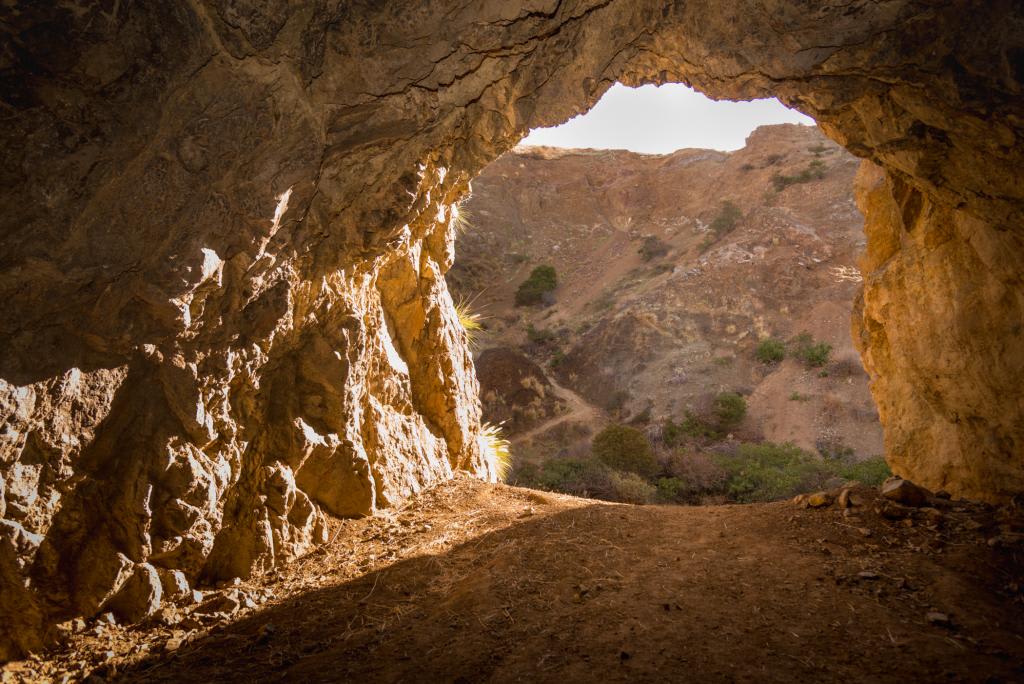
x=225 y=227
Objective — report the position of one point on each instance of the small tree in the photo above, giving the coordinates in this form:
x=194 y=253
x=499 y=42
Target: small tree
x=626 y=449
x=730 y=408
x=770 y=350
x=541 y=281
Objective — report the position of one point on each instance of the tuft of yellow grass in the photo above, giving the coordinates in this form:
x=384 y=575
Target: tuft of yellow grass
x=470 y=321
x=461 y=219
x=497 y=449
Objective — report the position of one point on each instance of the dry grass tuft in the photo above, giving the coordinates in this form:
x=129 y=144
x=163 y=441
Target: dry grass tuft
x=471 y=321
x=461 y=218
x=497 y=449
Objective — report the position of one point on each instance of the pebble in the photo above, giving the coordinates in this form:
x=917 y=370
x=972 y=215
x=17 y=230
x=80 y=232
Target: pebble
x=937 y=618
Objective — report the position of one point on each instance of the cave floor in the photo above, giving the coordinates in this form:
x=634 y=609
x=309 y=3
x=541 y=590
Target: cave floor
x=473 y=582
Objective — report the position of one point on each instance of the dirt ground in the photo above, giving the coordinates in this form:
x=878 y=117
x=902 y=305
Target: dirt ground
x=470 y=582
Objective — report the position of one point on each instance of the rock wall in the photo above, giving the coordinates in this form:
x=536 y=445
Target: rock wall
x=225 y=225
x=940 y=326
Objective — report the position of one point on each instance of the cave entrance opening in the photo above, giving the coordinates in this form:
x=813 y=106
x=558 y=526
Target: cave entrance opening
x=659 y=296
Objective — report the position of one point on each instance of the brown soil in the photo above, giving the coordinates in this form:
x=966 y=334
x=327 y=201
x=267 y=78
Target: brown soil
x=474 y=582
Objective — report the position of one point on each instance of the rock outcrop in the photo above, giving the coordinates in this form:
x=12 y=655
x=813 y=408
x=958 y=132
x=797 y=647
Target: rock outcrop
x=226 y=223
x=940 y=326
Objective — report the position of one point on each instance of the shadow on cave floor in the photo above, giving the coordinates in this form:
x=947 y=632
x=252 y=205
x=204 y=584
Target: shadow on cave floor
x=511 y=585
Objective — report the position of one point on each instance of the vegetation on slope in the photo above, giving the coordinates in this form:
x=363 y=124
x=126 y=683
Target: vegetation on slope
x=542 y=280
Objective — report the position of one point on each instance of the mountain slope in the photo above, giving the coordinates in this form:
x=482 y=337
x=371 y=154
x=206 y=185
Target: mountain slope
x=671 y=269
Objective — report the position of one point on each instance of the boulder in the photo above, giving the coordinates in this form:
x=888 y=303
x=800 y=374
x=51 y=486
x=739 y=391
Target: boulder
x=139 y=597
x=905 y=492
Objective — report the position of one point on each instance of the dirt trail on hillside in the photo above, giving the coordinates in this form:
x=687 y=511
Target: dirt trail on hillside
x=487 y=583
x=578 y=410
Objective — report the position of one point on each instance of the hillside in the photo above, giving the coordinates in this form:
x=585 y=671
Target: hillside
x=659 y=307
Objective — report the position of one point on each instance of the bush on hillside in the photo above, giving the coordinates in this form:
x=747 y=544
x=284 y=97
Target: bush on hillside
x=578 y=476
x=727 y=218
x=670 y=489
x=653 y=247
x=692 y=426
x=814 y=354
x=768 y=472
x=870 y=472
x=625 y=449
x=770 y=350
x=730 y=409
x=698 y=474
x=532 y=290
x=815 y=170
x=631 y=488
x=698 y=427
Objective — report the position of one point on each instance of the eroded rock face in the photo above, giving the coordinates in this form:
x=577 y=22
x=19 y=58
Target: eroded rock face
x=940 y=326
x=225 y=228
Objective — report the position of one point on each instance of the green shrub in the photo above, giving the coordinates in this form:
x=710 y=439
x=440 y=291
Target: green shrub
x=631 y=488
x=870 y=472
x=697 y=427
x=727 y=218
x=723 y=361
x=768 y=472
x=770 y=350
x=670 y=489
x=626 y=449
x=542 y=280
x=653 y=247
x=833 y=449
x=581 y=477
x=671 y=433
x=815 y=170
x=796 y=396
x=729 y=408
x=814 y=354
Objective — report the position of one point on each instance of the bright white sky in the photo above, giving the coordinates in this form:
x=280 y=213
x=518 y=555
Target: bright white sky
x=661 y=119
